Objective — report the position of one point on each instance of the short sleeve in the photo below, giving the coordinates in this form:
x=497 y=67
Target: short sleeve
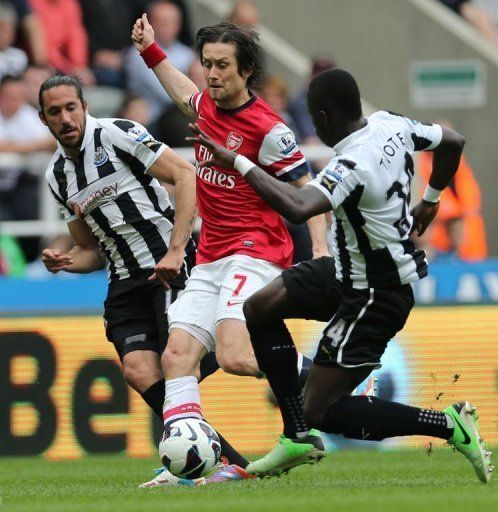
x=67 y=214
x=280 y=155
x=134 y=138
x=195 y=101
x=337 y=181
x=425 y=136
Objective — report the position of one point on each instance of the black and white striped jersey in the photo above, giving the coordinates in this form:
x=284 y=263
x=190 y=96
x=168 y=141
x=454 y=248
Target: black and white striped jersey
x=108 y=187
x=368 y=184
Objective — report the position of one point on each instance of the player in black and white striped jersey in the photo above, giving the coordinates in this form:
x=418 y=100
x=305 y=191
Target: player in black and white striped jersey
x=104 y=177
x=109 y=188
x=365 y=290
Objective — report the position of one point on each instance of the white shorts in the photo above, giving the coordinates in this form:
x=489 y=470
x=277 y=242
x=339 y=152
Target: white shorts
x=216 y=291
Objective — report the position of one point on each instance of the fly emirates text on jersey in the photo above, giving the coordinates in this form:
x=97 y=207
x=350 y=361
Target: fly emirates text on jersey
x=212 y=175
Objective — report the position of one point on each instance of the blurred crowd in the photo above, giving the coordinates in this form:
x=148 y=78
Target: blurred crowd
x=91 y=39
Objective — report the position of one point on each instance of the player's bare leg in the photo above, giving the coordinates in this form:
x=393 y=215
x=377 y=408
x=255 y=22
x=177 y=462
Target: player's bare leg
x=327 y=385
x=182 y=355
x=234 y=350
x=142 y=369
x=180 y=361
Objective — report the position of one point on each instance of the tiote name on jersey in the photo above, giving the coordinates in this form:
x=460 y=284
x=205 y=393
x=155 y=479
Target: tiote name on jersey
x=368 y=184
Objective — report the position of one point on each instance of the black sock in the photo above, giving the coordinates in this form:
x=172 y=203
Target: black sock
x=370 y=418
x=233 y=456
x=277 y=358
x=209 y=365
x=154 y=398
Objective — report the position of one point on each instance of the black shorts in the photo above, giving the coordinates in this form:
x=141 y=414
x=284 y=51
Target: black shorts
x=311 y=287
x=135 y=316
x=360 y=322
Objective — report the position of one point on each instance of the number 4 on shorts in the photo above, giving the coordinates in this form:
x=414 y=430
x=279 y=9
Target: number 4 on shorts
x=336 y=332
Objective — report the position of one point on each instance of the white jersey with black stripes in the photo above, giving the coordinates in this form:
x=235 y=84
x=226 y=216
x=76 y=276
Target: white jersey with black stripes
x=108 y=187
x=368 y=184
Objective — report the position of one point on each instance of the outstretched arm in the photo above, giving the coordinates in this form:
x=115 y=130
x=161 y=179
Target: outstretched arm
x=178 y=86
x=297 y=205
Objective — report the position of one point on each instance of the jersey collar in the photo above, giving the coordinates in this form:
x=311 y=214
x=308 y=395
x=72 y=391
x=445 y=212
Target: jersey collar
x=352 y=137
x=91 y=124
x=248 y=103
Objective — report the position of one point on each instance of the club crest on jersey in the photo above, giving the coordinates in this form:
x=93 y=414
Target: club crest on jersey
x=234 y=141
x=287 y=144
x=100 y=157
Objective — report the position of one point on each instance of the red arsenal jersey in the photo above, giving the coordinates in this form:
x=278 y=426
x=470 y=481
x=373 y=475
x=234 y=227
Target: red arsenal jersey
x=235 y=220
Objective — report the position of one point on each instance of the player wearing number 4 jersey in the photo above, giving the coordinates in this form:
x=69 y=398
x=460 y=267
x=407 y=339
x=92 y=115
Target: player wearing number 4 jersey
x=367 y=292
x=244 y=243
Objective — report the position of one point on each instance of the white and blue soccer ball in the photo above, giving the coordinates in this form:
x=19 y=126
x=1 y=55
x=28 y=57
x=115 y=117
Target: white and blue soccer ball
x=190 y=448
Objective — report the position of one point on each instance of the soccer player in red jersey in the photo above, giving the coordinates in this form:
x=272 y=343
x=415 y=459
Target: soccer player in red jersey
x=244 y=244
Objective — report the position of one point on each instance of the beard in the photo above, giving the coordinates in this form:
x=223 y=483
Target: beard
x=70 y=145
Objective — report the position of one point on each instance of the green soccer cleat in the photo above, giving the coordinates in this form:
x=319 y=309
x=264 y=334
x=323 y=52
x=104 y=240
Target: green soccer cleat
x=467 y=439
x=289 y=453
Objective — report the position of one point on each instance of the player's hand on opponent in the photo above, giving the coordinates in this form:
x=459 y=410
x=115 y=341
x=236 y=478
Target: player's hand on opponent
x=423 y=214
x=55 y=260
x=220 y=156
x=142 y=33
x=168 y=267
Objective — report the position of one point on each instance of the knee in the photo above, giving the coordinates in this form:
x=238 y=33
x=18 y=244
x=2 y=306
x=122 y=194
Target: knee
x=176 y=356
x=268 y=304
x=258 y=309
x=138 y=376
x=243 y=364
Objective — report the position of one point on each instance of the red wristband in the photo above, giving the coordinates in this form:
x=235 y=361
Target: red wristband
x=153 y=55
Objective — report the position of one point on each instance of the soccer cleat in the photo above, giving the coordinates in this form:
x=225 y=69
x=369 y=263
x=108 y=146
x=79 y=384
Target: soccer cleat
x=289 y=453
x=228 y=473
x=164 y=477
x=467 y=439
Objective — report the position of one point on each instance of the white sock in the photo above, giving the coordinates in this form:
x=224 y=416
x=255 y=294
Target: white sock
x=182 y=399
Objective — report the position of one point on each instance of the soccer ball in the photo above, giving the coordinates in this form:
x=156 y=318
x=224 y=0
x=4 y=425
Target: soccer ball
x=190 y=448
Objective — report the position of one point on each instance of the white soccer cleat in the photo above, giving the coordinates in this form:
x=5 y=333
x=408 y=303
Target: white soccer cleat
x=165 y=478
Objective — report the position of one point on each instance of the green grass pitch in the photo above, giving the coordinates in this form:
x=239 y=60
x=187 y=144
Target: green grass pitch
x=346 y=481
